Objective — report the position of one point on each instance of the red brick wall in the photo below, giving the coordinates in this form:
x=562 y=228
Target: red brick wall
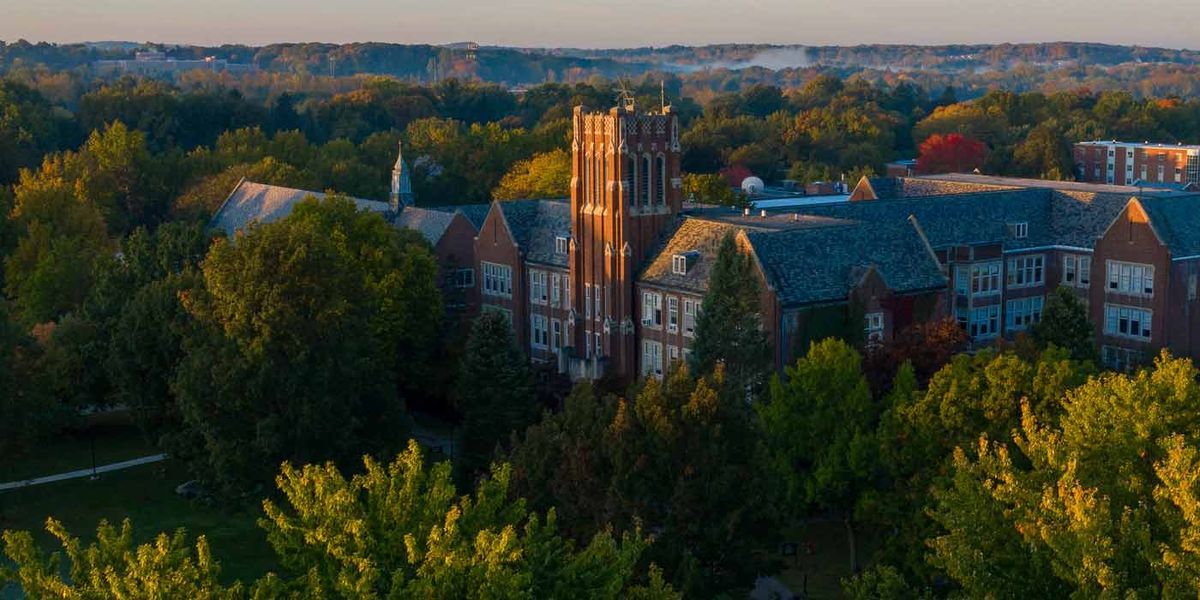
x=1131 y=239
x=495 y=244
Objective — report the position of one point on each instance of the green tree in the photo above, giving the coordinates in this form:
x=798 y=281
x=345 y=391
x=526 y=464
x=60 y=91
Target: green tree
x=708 y=188
x=544 y=175
x=305 y=330
x=729 y=330
x=819 y=425
x=402 y=531
x=495 y=394
x=681 y=458
x=113 y=567
x=1065 y=324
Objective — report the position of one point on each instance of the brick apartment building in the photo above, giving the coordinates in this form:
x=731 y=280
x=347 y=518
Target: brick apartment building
x=1138 y=165
x=612 y=280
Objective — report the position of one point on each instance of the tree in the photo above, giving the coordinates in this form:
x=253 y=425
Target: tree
x=49 y=272
x=304 y=332
x=709 y=188
x=1065 y=324
x=204 y=197
x=729 y=329
x=681 y=458
x=113 y=567
x=544 y=175
x=495 y=394
x=401 y=530
x=926 y=346
x=1100 y=503
x=27 y=410
x=951 y=153
x=819 y=425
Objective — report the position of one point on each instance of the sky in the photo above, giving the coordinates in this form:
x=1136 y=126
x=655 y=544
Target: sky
x=606 y=23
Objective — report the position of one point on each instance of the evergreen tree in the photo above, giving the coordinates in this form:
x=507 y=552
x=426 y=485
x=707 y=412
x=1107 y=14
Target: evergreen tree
x=729 y=328
x=495 y=389
x=1065 y=324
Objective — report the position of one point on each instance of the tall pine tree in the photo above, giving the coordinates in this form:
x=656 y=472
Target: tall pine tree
x=1065 y=324
x=729 y=328
x=495 y=390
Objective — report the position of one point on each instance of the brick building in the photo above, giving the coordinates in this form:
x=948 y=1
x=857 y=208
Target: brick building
x=612 y=280
x=1139 y=165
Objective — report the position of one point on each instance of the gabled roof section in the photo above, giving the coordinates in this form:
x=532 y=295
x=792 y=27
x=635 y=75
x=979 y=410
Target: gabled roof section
x=1176 y=220
x=432 y=224
x=475 y=213
x=535 y=224
x=252 y=202
x=822 y=264
x=701 y=236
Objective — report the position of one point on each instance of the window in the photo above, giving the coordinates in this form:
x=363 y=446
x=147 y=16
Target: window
x=1144 y=173
x=985 y=279
x=1131 y=278
x=539 y=332
x=690 y=308
x=631 y=181
x=560 y=245
x=1127 y=321
x=599 y=344
x=1160 y=173
x=874 y=327
x=673 y=314
x=1178 y=175
x=672 y=354
x=651 y=359
x=537 y=287
x=556 y=337
x=679 y=264
x=587 y=346
x=962 y=280
x=984 y=322
x=464 y=278
x=662 y=179
x=497 y=280
x=1121 y=359
x=566 y=290
x=1023 y=312
x=587 y=300
x=1019 y=230
x=652 y=309
x=555 y=289
x=644 y=181
x=598 y=290
x=1025 y=271
x=1077 y=270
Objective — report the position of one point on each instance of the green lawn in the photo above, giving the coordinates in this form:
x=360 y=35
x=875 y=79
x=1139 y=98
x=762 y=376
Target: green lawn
x=829 y=559
x=116 y=439
x=146 y=495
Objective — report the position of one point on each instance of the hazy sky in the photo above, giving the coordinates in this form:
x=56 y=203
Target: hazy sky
x=606 y=23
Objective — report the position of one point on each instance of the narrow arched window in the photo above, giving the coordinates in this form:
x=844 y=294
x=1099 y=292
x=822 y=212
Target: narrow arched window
x=662 y=179
x=644 y=181
x=630 y=180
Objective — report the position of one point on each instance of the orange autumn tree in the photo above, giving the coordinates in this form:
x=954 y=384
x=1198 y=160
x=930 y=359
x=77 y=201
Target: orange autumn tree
x=950 y=153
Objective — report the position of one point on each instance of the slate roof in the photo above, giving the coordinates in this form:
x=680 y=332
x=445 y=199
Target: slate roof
x=432 y=224
x=251 y=202
x=535 y=224
x=1177 y=221
x=698 y=235
x=822 y=264
x=475 y=213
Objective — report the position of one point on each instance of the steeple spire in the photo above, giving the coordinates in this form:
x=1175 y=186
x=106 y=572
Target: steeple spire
x=402 y=194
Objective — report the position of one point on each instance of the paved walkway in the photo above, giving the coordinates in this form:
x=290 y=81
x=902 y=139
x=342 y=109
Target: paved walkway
x=117 y=466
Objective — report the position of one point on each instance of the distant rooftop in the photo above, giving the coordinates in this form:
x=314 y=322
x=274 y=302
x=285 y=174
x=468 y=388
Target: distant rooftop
x=1146 y=145
x=253 y=202
x=1067 y=186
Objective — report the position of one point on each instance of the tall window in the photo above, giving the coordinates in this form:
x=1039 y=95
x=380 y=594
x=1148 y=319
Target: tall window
x=555 y=289
x=652 y=309
x=587 y=300
x=1026 y=271
x=631 y=180
x=661 y=171
x=1077 y=270
x=1020 y=313
x=537 y=287
x=689 y=317
x=599 y=290
x=651 y=359
x=1127 y=321
x=873 y=326
x=497 y=280
x=1130 y=278
x=556 y=336
x=644 y=181
x=673 y=314
x=539 y=332
x=1121 y=359
x=985 y=279
x=984 y=322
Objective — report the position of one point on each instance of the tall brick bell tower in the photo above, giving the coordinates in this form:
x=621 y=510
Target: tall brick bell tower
x=625 y=191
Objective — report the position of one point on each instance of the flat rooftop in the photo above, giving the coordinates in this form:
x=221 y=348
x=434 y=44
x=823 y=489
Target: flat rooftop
x=1066 y=186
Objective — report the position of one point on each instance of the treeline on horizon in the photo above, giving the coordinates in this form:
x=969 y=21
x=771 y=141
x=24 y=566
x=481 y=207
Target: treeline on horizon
x=973 y=69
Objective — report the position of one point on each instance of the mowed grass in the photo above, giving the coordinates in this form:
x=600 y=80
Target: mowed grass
x=824 y=557
x=144 y=494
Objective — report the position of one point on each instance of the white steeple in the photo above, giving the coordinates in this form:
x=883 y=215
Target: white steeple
x=402 y=194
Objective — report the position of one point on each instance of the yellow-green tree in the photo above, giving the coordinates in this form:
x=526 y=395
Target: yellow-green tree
x=544 y=175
